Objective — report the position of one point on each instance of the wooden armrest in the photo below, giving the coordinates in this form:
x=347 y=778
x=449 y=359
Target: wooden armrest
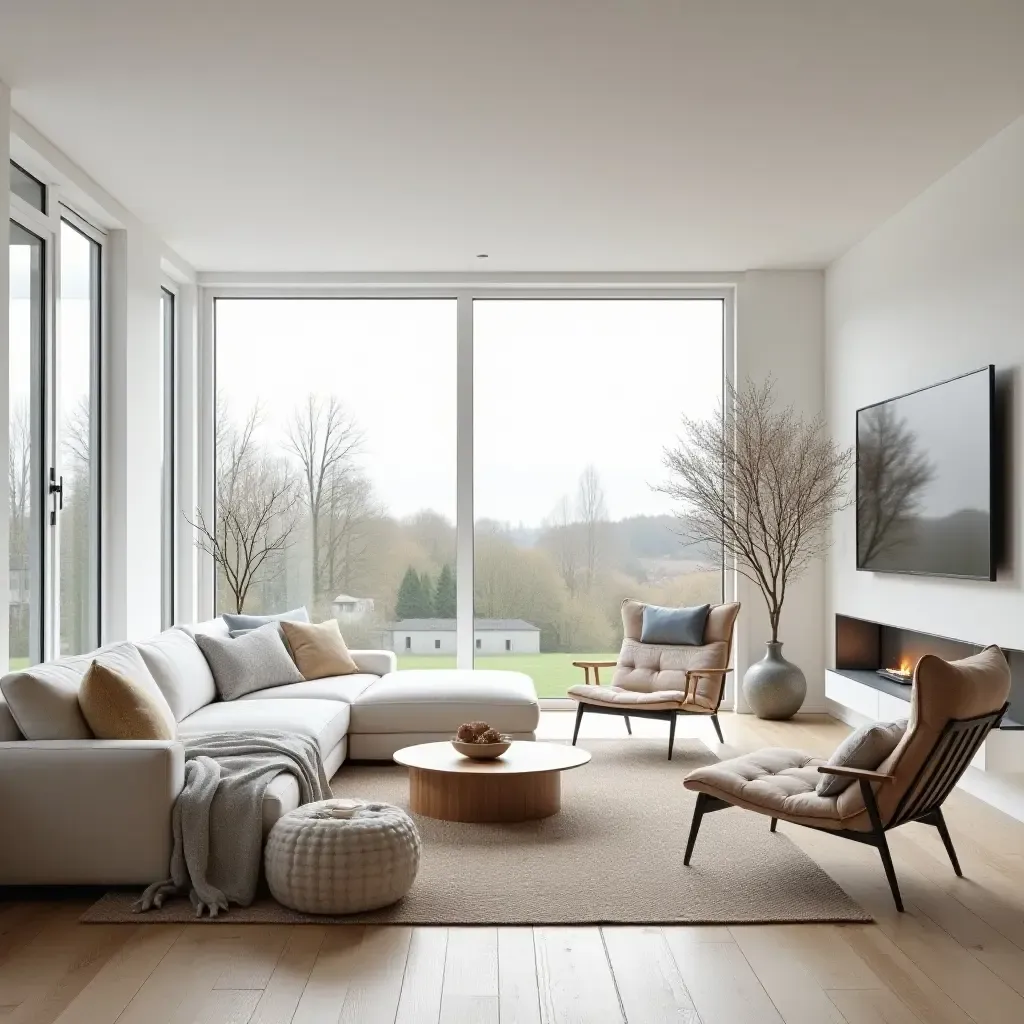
x=707 y=672
x=855 y=773
x=595 y=664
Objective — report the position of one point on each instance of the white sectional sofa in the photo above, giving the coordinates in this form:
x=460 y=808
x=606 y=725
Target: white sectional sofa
x=77 y=810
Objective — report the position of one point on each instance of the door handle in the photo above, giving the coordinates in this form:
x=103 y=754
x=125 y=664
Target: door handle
x=56 y=488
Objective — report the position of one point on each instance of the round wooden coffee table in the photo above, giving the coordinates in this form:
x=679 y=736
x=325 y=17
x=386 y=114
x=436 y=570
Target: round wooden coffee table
x=523 y=784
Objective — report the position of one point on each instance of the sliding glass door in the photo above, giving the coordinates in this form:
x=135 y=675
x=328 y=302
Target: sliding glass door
x=53 y=471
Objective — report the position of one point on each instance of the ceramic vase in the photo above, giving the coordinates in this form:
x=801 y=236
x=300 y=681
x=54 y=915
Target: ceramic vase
x=774 y=688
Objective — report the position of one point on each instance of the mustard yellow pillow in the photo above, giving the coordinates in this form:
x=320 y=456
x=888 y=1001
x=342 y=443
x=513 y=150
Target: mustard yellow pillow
x=319 y=649
x=119 y=708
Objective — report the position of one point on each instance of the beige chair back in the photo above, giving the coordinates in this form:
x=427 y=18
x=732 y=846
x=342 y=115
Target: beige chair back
x=653 y=668
x=953 y=705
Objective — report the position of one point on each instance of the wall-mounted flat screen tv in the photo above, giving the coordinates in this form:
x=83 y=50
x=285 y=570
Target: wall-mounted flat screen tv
x=925 y=480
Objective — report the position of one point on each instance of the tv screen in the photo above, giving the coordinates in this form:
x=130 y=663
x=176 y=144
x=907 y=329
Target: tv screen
x=925 y=480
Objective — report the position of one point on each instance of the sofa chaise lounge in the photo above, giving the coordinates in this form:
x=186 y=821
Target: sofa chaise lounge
x=77 y=810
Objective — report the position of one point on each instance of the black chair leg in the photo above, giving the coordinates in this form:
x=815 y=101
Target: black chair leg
x=629 y=728
x=878 y=837
x=718 y=728
x=775 y=822
x=940 y=824
x=698 y=813
x=890 y=871
x=579 y=718
x=671 y=735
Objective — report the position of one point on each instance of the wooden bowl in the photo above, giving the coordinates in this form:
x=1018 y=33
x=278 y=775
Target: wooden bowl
x=482 y=751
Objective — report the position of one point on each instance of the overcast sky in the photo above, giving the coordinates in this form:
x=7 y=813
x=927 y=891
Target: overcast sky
x=557 y=384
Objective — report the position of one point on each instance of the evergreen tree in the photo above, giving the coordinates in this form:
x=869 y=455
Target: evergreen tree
x=409 y=604
x=427 y=596
x=444 y=598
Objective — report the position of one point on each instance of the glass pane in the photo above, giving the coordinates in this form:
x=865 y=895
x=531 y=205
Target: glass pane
x=335 y=478
x=26 y=343
x=32 y=190
x=168 y=504
x=78 y=339
x=574 y=402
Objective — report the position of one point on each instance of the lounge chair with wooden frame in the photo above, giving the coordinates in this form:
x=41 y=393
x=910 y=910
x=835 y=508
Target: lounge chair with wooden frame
x=660 y=681
x=953 y=706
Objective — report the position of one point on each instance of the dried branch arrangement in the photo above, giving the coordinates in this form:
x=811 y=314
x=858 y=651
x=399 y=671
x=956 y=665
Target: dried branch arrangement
x=760 y=485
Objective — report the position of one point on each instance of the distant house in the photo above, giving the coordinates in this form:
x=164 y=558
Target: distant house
x=346 y=608
x=437 y=636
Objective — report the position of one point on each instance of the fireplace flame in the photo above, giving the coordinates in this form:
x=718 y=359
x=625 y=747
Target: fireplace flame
x=905 y=668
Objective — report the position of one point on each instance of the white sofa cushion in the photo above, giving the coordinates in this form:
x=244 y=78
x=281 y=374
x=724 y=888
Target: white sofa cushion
x=9 y=730
x=180 y=670
x=346 y=688
x=44 y=698
x=208 y=627
x=325 y=721
x=440 y=700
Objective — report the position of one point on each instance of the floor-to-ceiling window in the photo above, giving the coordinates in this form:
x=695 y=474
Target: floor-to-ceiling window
x=53 y=472
x=335 y=466
x=574 y=403
x=337 y=481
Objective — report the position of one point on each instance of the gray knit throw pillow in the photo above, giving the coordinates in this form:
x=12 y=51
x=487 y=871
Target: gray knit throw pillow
x=865 y=748
x=255 y=661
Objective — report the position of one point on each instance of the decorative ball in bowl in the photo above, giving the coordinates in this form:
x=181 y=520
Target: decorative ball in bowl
x=480 y=742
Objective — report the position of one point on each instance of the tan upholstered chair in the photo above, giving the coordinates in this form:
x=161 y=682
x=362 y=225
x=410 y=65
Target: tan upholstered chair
x=659 y=680
x=953 y=705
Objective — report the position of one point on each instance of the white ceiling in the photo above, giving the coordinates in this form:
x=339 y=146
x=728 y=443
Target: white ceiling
x=552 y=134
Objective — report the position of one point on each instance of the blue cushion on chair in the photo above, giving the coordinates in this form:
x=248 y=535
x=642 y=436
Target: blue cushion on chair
x=675 y=626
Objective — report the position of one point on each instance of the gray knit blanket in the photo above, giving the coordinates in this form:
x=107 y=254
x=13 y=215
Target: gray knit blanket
x=217 y=820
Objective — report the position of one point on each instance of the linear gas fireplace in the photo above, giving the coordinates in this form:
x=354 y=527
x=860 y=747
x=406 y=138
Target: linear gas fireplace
x=883 y=657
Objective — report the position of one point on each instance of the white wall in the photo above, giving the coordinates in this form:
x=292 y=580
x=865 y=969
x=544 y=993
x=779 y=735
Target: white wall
x=936 y=291
x=780 y=331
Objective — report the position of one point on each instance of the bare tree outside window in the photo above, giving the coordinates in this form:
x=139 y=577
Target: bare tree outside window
x=325 y=440
x=257 y=497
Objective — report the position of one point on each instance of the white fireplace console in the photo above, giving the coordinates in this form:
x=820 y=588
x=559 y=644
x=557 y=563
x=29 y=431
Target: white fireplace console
x=860 y=696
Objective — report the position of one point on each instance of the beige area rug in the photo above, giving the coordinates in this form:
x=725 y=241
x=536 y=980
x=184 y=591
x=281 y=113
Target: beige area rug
x=613 y=854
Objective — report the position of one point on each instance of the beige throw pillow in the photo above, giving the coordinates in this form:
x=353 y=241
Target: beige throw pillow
x=319 y=650
x=119 y=708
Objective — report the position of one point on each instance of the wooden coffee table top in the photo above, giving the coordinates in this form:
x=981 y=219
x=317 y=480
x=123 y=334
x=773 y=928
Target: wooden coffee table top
x=523 y=757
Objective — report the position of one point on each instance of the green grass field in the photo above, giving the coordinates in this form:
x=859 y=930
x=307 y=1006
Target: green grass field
x=552 y=674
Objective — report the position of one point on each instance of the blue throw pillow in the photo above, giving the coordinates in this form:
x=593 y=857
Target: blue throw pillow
x=236 y=622
x=674 y=625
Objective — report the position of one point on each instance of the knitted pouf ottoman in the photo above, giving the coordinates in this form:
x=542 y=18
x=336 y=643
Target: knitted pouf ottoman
x=333 y=858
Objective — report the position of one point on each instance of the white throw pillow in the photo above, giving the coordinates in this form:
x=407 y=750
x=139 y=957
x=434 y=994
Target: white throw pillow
x=180 y=670
x=865 y=748
x=44 y=698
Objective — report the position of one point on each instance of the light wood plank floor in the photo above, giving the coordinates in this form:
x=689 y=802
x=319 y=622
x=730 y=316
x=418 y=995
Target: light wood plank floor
x=956 y=956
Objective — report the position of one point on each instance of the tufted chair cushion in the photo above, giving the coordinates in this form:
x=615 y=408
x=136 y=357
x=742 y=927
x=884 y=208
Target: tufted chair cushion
x=781 y=783
x=653 y=668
